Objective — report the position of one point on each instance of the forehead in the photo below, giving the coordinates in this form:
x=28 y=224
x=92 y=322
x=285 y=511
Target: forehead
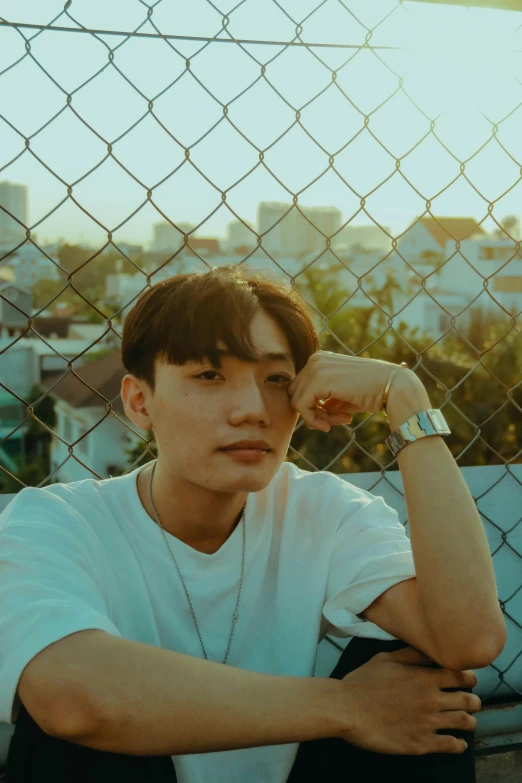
x=268 y=338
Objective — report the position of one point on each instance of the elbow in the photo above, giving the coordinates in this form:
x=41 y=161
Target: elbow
x=57 y=715
x=480 y=654
x=72 y=719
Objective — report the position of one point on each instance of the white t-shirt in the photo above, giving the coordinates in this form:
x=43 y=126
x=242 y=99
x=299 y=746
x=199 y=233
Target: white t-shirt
x=87 y=555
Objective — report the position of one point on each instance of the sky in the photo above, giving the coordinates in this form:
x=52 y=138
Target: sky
x=461 y=72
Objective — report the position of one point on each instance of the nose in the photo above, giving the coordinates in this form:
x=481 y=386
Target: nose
x=248 y=403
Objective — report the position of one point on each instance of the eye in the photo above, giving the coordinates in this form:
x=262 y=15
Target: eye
x=284 y=379
x=207 y=372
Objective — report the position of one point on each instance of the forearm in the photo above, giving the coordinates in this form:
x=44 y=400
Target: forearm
x=453 y=565
x=158 y=702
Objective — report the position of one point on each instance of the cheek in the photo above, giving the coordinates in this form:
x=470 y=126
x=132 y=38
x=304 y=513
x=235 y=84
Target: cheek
x=187 y=415
x=289 y=419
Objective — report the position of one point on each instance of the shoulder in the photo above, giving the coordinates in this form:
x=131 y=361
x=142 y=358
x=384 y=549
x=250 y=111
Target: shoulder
x=310 y=481
x=321 y=490
x=51 y=506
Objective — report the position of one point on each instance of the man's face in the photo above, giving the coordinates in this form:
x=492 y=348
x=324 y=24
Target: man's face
x=197 y=409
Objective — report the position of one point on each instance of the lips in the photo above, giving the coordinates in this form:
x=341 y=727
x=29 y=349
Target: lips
x=245 y=448
x=249 y=449
x=247 y=455
x=246 y=445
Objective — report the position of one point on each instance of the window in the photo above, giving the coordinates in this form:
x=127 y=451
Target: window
x=507 y=284
x=496 y=253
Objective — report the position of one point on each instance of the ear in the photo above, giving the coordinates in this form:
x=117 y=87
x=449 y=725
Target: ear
x=135 y=394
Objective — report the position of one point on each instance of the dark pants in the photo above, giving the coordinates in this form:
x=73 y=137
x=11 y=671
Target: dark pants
x=35 y=757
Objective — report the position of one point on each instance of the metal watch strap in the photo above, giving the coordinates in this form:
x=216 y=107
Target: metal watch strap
x=423 y=424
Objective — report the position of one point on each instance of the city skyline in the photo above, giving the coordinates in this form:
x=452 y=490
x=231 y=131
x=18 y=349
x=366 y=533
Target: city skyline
x=464 y=91
x=284 y=229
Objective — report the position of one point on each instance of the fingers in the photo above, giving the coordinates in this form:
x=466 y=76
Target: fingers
x=460 y=700
x=446 y=743
x=450 y=678
x=324 y=416
x=457 y=719
x=330 y=419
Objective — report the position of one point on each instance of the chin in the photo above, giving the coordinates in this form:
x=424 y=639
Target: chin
x=255 y=482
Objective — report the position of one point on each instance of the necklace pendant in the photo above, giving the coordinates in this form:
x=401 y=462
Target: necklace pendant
x=235 y=616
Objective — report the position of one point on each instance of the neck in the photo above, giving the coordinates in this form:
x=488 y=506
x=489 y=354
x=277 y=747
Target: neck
x=201 y=518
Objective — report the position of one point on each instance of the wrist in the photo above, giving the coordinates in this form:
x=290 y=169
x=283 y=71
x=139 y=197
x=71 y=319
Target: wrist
x=340 y=708
x=406 y=398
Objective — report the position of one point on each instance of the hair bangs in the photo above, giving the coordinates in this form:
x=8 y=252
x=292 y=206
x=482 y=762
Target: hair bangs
x=222 y=315
x=182 y=319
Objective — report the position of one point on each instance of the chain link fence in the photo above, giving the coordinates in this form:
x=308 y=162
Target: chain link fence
x=249 y=116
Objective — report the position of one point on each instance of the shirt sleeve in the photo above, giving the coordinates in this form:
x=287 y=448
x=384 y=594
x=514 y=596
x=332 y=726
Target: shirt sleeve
x=371 y=553
x=51 y=584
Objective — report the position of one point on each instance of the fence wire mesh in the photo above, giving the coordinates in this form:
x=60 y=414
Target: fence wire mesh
x=298 y=84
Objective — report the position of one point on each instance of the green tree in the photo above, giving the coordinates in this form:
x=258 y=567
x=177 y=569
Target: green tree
x=29 y=474
x=34 y=467
x=89 y=272
x=472 y=376
x=146 y=450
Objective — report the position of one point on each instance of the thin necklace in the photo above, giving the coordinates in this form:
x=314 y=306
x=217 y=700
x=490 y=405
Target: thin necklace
x=235 y=614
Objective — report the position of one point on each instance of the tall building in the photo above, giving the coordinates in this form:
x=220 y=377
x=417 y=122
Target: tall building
x=13 y=197
x=240 y=235
x=166 y=238
x=268 y=213
x=324 y=219
x=296 y=233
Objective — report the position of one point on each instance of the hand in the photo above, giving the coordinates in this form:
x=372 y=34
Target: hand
x=395 y=704
x=331 y=387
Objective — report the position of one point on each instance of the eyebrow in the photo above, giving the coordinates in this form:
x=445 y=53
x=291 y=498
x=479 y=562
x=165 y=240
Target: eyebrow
x=269 y=356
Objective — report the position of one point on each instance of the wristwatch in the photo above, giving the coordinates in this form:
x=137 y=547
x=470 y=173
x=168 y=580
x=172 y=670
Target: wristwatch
x=423 y=424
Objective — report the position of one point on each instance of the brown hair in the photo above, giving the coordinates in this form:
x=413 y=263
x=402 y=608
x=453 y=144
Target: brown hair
x=181 y=319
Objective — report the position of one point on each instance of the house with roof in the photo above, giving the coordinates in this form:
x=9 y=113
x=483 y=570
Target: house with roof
x=464 y=269
x=427 y=239
x=98 y=437
x=440 y=271
x=486 y=273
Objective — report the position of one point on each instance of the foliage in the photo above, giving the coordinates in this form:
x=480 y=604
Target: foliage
x=471 y=376
x=44 y=410
x=35 y=466
x=88 y=272
x=141 y=453
x=29 y=473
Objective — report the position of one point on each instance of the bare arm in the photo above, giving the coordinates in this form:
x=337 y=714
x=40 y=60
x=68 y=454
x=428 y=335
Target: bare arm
x=128 y=697
x=455 y=576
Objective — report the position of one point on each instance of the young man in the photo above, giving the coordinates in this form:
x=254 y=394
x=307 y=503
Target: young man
x=115 y=592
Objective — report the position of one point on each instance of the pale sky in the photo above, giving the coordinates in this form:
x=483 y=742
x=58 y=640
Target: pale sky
x=462 y=64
